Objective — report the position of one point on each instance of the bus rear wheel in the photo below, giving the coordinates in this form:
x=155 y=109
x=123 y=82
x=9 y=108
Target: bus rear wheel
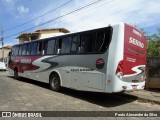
x=54 y=82
x=15 y=74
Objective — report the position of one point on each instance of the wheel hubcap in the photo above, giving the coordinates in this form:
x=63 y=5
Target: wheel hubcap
x=54 y=82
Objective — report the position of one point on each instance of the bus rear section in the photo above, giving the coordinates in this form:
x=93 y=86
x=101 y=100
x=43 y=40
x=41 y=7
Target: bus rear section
x=130 y=70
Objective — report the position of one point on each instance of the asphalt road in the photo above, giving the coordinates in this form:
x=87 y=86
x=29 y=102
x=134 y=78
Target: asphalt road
x=28 y=95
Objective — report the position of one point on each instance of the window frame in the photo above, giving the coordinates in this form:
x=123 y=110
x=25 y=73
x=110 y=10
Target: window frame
x=69 y=46
x=28 y=46
x=16 y=50
x=45 y=49
x=41 y=50
x=25 y=50
x=77 y=44
x=81 y=36
x=34 y=49
x=57 y=42
x=20 y=50
x=13 y=50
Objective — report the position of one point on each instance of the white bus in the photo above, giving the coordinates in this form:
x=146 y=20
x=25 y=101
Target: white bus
x=109 y=59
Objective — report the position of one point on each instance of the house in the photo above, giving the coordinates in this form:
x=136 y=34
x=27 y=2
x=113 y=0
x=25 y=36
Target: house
x=6 y=50
x=40 y=34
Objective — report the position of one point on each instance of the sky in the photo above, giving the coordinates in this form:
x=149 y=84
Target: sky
x=143 y=13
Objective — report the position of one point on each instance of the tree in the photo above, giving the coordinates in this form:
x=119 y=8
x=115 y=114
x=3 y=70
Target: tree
x=153 y=44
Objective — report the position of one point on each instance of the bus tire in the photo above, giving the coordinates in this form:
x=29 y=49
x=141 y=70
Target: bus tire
x=54 y=82
x=15 y=74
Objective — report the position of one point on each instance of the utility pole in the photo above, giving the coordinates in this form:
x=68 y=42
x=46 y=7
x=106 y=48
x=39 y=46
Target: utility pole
x=2 y=44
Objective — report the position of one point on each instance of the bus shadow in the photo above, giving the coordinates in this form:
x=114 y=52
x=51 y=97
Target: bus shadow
x=30 y=81
x=102 y=99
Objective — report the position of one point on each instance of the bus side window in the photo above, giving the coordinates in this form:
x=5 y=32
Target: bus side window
x=24 y=49
x=13 y=50
x=66 y=45
x=102 y=40
x=28 y=49
x=33 y=48
x=44 y=48
x=51 y=47
x=16 y=50
x=74 y=45
x=39 y=48
x=87 y=42
x=59 y=45
x=20 y=50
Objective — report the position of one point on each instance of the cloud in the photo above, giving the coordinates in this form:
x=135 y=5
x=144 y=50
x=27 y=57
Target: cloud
x=9 y=5
x=22 y=10
x=8 y=1
x=51 y=15
x=134 y=12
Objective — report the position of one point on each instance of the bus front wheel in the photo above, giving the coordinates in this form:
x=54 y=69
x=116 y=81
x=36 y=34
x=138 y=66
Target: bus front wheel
x=54 y=82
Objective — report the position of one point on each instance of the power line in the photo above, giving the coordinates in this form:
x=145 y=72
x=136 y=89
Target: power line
x=86 y=6
x=90 y=10
x=38 y=16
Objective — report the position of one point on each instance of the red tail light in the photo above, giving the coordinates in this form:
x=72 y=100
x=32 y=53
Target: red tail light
x=119 y=71
x=120 y=67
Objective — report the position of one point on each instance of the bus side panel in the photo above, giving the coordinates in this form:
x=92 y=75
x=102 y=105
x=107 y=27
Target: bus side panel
x=116 y=49
x=88 y=77
x=31 y=67
x=80 y=72
x=128 y=60
x=87 y=81
x=40 y=74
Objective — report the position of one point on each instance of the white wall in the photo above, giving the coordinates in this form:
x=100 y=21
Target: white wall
x=46 y=34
